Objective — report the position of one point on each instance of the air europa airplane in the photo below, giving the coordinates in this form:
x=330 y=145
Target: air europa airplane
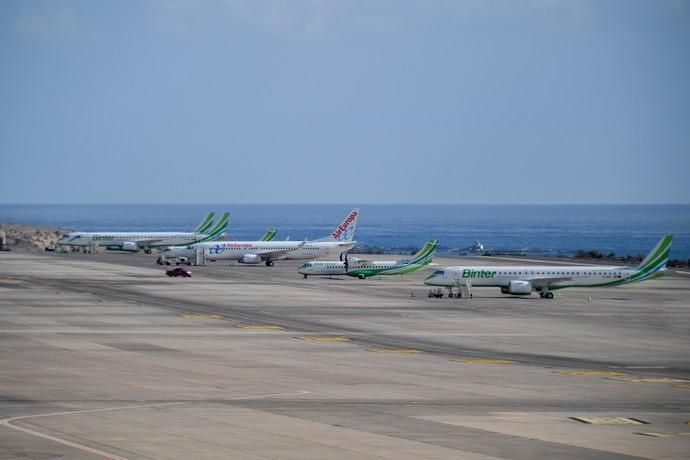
x=255 y=252
x=522 y=280
x=135 y=241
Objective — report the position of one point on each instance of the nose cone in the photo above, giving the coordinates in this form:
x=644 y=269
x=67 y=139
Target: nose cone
x=68 y=238
x=430 y=280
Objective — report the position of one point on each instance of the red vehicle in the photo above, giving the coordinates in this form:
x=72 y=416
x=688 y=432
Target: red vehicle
x=179 y=271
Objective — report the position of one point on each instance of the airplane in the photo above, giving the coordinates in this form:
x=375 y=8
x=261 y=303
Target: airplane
x=522 y=280
x=255 y=252
x=362 y=268
x=135 y=241
x=182 y=254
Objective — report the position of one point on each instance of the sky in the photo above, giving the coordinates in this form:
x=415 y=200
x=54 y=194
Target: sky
x=315 y=101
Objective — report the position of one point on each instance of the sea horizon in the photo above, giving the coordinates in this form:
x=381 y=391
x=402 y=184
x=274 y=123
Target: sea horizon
x=532 y=229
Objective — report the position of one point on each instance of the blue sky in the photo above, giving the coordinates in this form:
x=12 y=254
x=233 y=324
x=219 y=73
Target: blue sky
x=541 y=101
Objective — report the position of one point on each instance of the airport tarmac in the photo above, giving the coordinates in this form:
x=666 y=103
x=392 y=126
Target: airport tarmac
x=103 y=356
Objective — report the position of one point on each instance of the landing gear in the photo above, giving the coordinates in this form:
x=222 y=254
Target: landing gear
x=269 y=263
x=546 y=295
x=305 y=277
x=436 y=293
x=147 y=251
x=361 y=276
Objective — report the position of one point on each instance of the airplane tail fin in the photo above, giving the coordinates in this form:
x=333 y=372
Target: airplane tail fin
x=425 y=254
x=656 y=259
x=218 y=230
x=206 y=223
x=345 y=232
x=270 y=234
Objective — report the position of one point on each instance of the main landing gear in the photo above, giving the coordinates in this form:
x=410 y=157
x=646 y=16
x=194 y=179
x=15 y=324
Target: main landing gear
x=546 y=295
x=269 y=263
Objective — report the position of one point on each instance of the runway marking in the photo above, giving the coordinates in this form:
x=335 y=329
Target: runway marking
x=684 y=273
x=591 y=372
x=261 y=326
x=484 y=361
x=645 y=367
x=396 y=350
x=8 y=421
x=651 y=379
x=313 y=338
x=609 y=420
x=665 y=435
x=200 y=316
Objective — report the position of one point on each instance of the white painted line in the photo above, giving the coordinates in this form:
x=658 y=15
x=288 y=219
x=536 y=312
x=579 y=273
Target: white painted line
x=8 y=422
x=684 y=273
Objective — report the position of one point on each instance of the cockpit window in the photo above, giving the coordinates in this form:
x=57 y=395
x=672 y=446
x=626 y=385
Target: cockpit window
x=439 y=272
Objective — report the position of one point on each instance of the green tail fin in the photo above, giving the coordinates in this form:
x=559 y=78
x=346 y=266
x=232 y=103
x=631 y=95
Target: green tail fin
x=657 y=257
x=426 y=253
x=206 y=223
x=270 y=234
x=218 y=229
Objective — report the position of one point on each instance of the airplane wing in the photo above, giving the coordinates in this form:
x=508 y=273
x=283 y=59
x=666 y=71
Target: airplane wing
x=357 y=260
x=429 y=265
x=145 y=243
x=546 y=282
x=281 y=253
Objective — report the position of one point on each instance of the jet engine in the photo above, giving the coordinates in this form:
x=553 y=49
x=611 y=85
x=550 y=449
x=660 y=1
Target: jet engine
x=250 y=259
x=130 y=246
x=518 y=288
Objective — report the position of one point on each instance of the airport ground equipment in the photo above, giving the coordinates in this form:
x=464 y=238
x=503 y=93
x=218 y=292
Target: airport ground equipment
x=3 y=241
x=199 y=255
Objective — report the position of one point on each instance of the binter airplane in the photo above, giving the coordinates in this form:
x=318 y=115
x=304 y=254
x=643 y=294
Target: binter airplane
x=135 y=241
x=362 y=268
x=522 y=280
x=255 y=252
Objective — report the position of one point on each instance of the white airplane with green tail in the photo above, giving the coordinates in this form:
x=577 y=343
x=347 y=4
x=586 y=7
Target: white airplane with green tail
x=362 y=268
x=522 y=280
x=136 y=241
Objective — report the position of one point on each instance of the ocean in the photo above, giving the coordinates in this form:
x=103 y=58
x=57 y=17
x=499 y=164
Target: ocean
x=527 y=229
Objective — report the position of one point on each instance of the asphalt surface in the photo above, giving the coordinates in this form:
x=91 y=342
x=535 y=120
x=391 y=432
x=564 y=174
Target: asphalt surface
x=103 y=356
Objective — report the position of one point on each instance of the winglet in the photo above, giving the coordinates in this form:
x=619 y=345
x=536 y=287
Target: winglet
x=206 y=223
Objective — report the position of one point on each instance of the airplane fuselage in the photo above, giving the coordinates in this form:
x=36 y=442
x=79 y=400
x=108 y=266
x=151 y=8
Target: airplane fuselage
x=354 y=268
x=122 y=239
x=236 y=250
x=559 y=276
